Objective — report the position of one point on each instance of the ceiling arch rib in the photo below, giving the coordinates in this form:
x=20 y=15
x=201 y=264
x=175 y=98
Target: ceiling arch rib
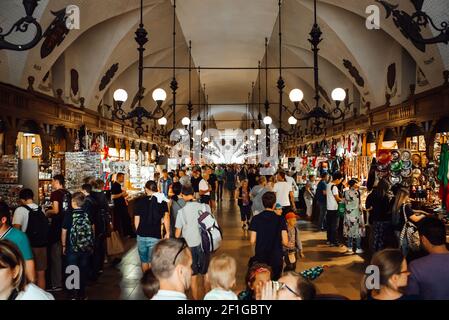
x=93 y=53
x=92 y=13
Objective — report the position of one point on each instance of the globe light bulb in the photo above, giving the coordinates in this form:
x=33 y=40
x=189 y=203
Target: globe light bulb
x=258 y=132
x=198 y=132
x=162 y=121
x=338 y=94
x=296 y=95
x=267 y=120
x=120 y=95
x=292 y=120
x=185 y=121
x=206 y=139
x=159 y=95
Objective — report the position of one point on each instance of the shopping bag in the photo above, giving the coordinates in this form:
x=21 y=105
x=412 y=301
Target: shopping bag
x=341 y=209
x=114 y=244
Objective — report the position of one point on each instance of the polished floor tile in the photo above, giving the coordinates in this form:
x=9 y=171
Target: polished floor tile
x=342 y=276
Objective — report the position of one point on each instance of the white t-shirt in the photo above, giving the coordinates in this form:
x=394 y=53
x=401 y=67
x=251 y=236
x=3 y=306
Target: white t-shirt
x=282 y=190
x=331 y=191
x=220 y=294
x=21 y=216
x=204 y=186
x=290 y=180
x=169 y=295
x=33 y=292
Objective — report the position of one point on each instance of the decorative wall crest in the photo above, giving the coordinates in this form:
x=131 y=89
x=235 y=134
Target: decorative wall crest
x=354 y=73
x=108 y=76
x=55 y=33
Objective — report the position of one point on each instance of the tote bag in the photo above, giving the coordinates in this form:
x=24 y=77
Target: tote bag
x=114 y=244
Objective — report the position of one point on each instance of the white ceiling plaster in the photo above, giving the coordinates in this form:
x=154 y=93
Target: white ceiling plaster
x=227 y=33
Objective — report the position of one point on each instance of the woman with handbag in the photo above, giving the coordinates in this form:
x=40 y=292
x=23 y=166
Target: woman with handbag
x=294 y=248
x=405 y=221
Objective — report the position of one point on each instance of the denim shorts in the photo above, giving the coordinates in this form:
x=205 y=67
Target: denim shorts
x=200 y=261
x=145 y=247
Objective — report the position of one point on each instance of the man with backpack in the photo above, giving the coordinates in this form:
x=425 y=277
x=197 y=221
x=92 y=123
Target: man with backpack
x=77 y=240
x=188 y=227
x=102 y=226
x=31 y=219
x=92 y=208
x=61 y=206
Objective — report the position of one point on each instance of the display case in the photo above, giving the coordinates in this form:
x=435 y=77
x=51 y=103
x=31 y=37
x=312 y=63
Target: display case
x=80 y=165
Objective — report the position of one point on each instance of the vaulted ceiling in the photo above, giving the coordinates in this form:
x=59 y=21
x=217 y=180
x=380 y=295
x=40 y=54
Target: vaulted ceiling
x=224 y=33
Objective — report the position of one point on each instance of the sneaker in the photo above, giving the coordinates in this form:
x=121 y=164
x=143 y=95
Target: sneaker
x=358 y=251
x=334 y=245
x=349 y=251
x=328 y=243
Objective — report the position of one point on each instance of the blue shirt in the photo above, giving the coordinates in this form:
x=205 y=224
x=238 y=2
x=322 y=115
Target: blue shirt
x=320 y=197
x=20 y=239
x=165 y=185
x=429 y=277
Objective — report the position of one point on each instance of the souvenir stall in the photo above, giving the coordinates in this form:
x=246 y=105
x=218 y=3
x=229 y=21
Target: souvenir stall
x=79 y=165
x=9 y=177
x=398 y=167
x=440 y=165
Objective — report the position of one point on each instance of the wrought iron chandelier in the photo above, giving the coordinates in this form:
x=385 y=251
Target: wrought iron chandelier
x=318 y=114
x=22 y=25
x=159 y=95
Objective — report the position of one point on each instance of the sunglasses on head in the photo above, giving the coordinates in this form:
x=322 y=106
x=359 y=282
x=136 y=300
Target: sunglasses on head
x=184 y=246
x=284 y=286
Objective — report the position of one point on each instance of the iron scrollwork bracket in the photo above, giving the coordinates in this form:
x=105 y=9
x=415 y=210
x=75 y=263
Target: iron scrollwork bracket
x=21 y=26
x=411 y=25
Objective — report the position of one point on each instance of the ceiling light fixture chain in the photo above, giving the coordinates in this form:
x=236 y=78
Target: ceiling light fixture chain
x=159 y=95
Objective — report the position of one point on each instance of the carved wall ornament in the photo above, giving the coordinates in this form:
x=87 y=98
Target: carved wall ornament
x=421 y=78
x=354 y=73
x=74 y=85
x=46 y=84
x=391 y=88
x=55 y=33
x=429 y=61
x=108 y=76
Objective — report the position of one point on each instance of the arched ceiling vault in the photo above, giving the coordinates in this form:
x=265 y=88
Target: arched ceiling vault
x=226 y=33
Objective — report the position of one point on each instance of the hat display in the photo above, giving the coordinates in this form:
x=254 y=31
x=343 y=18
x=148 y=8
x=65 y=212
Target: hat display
x=395 y=155
x=395 y=179
x=396 y=166
x=406 y=155
x=406 y=164
x=384 y=157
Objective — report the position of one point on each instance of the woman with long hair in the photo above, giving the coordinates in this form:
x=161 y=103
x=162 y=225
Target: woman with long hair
x=13 y=282
x=244 y=203
x=389 y=277
x=402 y=212
x=378 y=204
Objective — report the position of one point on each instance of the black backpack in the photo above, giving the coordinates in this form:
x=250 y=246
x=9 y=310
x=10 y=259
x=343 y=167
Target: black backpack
x=38 y=227
x=66 y=203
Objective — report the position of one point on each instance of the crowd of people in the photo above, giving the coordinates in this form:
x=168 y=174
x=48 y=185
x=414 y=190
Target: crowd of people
x=37 y=244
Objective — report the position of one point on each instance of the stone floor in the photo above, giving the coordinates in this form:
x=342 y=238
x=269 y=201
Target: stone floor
x=342 y=277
